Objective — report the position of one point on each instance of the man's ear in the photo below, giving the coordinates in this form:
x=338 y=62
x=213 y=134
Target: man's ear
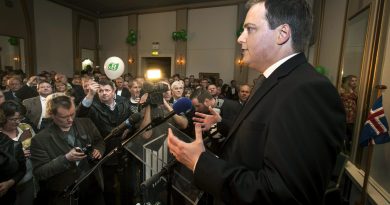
x=284 y=34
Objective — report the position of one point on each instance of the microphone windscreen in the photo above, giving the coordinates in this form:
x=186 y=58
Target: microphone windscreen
x=134 y=118
x=183 y=105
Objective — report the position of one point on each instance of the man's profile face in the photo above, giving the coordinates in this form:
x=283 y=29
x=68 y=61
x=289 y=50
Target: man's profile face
x=64 y=117
x=106 y=94
x=199 y=107
x=258 y=41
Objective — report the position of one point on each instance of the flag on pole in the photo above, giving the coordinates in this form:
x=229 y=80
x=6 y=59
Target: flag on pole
x=376 y=126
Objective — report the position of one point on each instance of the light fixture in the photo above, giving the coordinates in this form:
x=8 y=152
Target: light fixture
x=240 y=62
x=155 y=53
x=16 y=59
x=131 y=60
x=180 y=61
x=153 y=74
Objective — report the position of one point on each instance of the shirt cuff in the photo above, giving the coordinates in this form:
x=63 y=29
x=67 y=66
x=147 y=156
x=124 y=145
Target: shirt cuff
x=87 y=102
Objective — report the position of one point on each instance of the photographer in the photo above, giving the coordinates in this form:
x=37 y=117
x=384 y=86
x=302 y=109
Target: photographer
x=57 y=157
x=158 y=99
x=107 y=112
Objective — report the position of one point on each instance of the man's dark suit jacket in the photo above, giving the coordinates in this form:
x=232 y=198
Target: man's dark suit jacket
x=125 y=93
x=8 y=95
x=26 y=92
x=33 y=109
x=229 y=112
x=48 y=149
x=283 y=145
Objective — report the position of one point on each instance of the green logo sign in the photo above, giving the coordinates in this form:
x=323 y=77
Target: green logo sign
x=113 y=66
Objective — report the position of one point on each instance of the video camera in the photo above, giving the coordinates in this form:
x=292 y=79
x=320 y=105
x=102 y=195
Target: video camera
x=155 y=92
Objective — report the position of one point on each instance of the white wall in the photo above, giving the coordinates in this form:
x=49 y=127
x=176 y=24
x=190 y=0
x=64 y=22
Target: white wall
x=211 y=41
x=113 y=33
x=331 y=38
x=156 y=27
x=53 y=29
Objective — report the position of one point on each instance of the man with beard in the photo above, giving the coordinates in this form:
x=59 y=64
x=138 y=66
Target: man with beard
x=228 y=110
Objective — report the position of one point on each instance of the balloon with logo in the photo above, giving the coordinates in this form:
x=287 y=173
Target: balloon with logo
x=114 y=67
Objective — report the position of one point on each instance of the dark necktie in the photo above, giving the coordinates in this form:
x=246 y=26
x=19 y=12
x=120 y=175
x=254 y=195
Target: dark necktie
x=257 y=85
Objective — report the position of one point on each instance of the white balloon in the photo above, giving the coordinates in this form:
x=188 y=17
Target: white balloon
x=114 y=67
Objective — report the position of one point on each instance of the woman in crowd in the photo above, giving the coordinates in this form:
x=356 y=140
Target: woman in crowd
x=19 y=132
x=135 y=91
x=60 y=87
x=12 y=166
x=177 y=90
x=348 y=94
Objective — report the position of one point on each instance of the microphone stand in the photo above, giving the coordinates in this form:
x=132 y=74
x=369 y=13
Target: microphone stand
x=167 y=171
x=72 y=190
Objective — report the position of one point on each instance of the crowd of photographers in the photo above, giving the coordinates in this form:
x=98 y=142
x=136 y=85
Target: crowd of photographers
x=53 y=130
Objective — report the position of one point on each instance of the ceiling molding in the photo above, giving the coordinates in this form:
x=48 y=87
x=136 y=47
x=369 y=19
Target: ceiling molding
x=104 y=11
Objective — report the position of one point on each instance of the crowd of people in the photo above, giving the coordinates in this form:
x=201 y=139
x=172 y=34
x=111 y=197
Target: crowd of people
x=38 y=110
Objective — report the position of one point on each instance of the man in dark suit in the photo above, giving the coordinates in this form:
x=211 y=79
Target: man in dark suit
x=120 y=89
x=58 y=160
x=232 y=92
x=29 y=89
x=243 y=93
x=14 y=84
x=282 y=147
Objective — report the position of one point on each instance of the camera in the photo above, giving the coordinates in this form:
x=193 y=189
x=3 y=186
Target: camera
x=155 y=92
x=87 y=150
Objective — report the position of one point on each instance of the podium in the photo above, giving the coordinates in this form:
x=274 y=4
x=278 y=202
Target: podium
x=152 y=150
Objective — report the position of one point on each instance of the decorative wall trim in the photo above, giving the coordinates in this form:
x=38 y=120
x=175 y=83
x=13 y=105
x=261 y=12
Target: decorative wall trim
x=77 y=18
x=30 y=48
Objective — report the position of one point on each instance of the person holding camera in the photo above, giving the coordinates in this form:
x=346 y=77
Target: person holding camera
x=107 y=112
x=60 y=154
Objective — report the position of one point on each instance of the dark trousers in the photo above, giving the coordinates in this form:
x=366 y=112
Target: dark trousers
x=121 y=181
x=88 y=193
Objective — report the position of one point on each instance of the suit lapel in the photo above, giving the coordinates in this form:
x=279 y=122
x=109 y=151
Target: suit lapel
x=282 y=71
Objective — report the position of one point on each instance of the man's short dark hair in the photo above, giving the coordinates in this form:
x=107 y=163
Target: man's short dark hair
x=41 y=82
x=57 y=100
x=296 y=13
x=201 y=95
x=107 y=82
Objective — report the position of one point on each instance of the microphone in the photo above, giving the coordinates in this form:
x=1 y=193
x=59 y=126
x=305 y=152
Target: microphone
x=128 y=123
x=181 y=106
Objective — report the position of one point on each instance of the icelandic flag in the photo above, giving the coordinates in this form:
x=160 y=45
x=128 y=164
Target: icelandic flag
x=376 y=126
